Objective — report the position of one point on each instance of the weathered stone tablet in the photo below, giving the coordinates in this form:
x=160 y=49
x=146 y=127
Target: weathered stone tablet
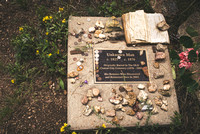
x=103 y=74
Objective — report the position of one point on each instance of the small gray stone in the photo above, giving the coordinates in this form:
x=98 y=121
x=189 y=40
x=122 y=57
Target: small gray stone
x=164 y=107
x=158 y=74
x=142 y=96
x=110 y=113
x=160 y=56
x=139 y=115
x=160 y=47
x=118 y=107
x=87 y=111
x=84 y=101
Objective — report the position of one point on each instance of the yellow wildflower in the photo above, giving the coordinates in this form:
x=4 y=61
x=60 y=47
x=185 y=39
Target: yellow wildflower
x=13 y=81
x=46 y=40
x=45 y=18
x=103 y=125
x=49 y=54
x=73 y=132
x=47 y=33
x=37 y=52
x=21 y=29
x=58 y=52
x=50 y=17
x=62 y=129
x=60 y=9
x=63 y=21
x=65 y=124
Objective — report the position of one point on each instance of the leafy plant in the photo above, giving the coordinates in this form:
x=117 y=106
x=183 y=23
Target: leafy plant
x=185 y=59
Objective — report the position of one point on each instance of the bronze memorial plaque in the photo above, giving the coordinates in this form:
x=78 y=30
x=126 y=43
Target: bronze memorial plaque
x=120 y=66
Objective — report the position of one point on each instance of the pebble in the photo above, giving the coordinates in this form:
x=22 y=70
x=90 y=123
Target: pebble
x=163 y=107
x=89 y=36
x=95 y=91
x=78 y=23
x=158 y=100
x=158 y=74
x=79 y=40
x=131 y=98
x=154 y=111
x=118 y=107
x=165 y=102
x=88 y=19
x=142 y=63
x=110 y=113
x=115 y=120
x=139 y=115
x=156 y=65
x=78 y=63
x=114 y=100
x=124 y=102
x=128 y=88
x=166 y=82
x=145 y=71
x=160 y=56
x=141 y=86
x=72 y=74
x=72 y=80
x=91 y=29
x=166 y=87
x=121 y=89
x=152 y=87
x=114 y=91
x=98 y=32
x=74 y=59
x=160 y=47
x=65 y=92
x=145 y=108
x=102 y=36
x=85 y=100
x=100 y=99
x=141 y=52
x=97 y=109
x=76 y=35
x=164 y=92
x=142 y=96
x=130 y=112
x=102 y=110
x=89 y=94
x=163 y=26
x=123 y=109
x=85 y=35
x=99 y=24
x=149 y=102
x=87 y=111
x=75 y=43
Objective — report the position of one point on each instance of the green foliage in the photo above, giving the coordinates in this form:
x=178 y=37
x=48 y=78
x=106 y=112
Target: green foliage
x=190 y=57
x=176 y=121
x=24 y=44
x=110 y=9
x=186 y=41
x=41 y=12
x=62 y=85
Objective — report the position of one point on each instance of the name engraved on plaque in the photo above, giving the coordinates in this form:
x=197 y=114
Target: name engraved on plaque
x=119 y=66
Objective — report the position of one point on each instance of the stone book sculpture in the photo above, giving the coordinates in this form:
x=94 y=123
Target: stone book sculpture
x=141 y=27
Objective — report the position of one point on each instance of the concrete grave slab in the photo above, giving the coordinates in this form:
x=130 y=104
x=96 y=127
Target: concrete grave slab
x=76 y=92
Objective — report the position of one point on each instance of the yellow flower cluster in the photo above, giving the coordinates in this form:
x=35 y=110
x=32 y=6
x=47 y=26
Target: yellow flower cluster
x=21 y=29
x=63 y=21
x=60 y=9
x=37 y=52
x=47 y=18
x=47 y=33
x=103 y=125
x=62 y=129
x=49 y=54
x=73 y=132
x=13 y=81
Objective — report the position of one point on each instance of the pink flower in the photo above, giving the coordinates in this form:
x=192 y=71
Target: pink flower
x=184 y=59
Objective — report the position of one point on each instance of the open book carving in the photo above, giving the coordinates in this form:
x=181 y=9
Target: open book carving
x=141 y=27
